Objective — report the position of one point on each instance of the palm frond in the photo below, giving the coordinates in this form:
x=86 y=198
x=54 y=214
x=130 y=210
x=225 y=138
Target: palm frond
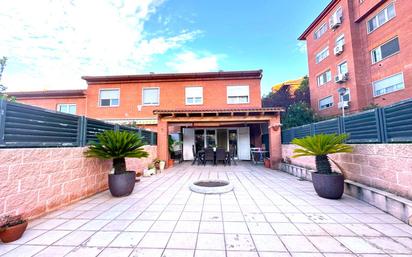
x=322 y=144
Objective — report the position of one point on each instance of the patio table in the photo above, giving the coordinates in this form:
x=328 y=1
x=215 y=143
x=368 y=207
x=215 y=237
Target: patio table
x=258 y=155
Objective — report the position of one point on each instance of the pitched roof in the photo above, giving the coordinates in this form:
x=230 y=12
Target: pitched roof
x=217 y=110
x=48 y=93
x=250 y=74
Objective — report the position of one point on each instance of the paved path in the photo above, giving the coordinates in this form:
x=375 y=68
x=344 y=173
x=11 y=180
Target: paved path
x=269 y=214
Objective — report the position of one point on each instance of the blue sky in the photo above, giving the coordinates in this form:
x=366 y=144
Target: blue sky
x=53 y=46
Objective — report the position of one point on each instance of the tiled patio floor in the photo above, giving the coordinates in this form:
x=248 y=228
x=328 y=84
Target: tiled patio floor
x=268 y=214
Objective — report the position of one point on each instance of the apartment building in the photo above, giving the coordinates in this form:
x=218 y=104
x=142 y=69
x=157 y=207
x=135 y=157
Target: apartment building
x=359 y=55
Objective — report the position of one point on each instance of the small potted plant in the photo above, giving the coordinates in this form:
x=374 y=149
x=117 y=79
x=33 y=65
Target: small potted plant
x=117 y=146
x=327 y=184
x=266 y=162
x=172 y=144
x=159 y=165
x=12 y=228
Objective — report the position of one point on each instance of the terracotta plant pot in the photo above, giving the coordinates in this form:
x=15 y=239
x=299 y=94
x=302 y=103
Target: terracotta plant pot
x=266 y=162
x=170 y=163
x=122 y=184
x=328 y=186
x=11 y=234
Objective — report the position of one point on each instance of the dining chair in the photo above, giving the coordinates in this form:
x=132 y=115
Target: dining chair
x=195 y=155
x=221 y=156
x=209 y=156
x=232 y=150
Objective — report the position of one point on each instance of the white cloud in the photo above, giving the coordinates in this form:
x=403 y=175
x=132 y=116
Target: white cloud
x=301 y=46
x=191 y=62
x=50 y=44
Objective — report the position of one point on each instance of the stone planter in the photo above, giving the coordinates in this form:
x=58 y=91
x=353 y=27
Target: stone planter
x=13 y=233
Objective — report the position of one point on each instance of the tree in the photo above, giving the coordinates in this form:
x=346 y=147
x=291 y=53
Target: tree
x=302 y=94
x=298 y=114
x=281 y=98
x=4 y=88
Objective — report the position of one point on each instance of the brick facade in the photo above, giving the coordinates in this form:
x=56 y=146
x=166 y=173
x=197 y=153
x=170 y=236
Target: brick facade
x=383 y=166
x=357 y=53
x=39 y=180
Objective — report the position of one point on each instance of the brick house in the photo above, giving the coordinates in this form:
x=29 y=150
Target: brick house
x=208 y=109
x=363 y=47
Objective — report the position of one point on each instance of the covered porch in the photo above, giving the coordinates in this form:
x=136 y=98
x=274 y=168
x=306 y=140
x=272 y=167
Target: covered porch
x=237 y=130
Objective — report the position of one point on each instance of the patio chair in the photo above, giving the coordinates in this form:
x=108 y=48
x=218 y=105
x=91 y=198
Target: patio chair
x=221 y=156
x=209 y=156
x=196 y=156
x=232 y=150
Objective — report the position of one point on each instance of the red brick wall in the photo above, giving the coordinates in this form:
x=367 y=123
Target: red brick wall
x=172 y=96
x=383 y=166
x=38 y=180
x=51 y=103
x=358 y=44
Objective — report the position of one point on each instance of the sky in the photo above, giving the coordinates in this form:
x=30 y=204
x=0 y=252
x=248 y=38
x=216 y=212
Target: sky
x=50 y=44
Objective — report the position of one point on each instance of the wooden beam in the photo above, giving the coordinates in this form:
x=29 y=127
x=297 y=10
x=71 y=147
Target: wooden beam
x=217 y=119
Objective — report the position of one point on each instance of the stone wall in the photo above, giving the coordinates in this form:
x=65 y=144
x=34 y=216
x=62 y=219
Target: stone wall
x=34 y=181
x=383 y=166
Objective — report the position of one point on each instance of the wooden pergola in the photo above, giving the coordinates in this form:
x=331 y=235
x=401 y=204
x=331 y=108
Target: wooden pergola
x=221 y=117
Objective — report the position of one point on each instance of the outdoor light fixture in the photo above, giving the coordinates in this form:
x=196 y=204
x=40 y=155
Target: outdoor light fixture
x=342 y=91
x=2 y=88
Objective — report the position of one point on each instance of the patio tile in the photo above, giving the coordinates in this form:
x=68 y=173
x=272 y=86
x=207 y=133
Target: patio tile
x=276 y=217
x=116 y=252
x=170 y=215
x=140 y=225
x=182 y=241
x=127 y=239
x=298 y=244
x=389 y=245
x=154 y=240
x=29 y=235
x=178 y=253
x=236 y=242
x=211 y=216
x=191 y=215
x=72 y=224
x=24 y=251
x=187 y=226
x=358 y=245
x=242 y=254
x=274 y=254
x=337 y=230
x=211 y=227
x=163 y=226
x=311 y=229
x=53 y=251
x=236 y=228
x=117 y=225
x=328 y=244
x=101 y=239
x=49 y=237
x=209 y=253
x=362 y=230
x=268 y=243
x=260 y=228
x=210 y=242
x=6 y=248
x=233 y=216
x=84 y=251
x=75 y=238
x=285 y=229
x=94 y=225
x=50 y=224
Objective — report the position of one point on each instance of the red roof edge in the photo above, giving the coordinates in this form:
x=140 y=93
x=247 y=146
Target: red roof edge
x=46 y=93
x=316 y=21
x=252 y=74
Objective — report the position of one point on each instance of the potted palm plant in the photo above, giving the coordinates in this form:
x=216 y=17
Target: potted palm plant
x=12 y=228
x=327 y=184
x=116 y=146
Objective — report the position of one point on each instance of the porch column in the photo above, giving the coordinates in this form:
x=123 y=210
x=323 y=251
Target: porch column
x=275 y=143
x=162 y=140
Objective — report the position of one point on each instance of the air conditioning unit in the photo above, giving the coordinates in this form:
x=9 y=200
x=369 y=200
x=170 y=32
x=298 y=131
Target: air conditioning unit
x=341 y=78
x=335 y=21
x=338 y=50
x=343 y=104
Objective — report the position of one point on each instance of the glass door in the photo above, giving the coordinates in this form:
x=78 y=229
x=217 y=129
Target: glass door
x=199 y=139
x=210 y=138
x=233 y=139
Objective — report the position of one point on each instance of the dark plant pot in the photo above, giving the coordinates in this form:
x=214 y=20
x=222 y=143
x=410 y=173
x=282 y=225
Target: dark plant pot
x=328 y=186
x=11 y=234
x=122 y=184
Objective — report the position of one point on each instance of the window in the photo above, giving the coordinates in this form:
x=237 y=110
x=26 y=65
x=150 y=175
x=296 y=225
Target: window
x=324 y=78
x=237 y=94
x=388 y=85
x=343 y=68
x=194 y=95
x=322 y=55
x=109 y=97
x=325 y=103
x=322 y=30
x=340 y=41
x=381 y=18
x=346 y=96
x=67 y=108
x=151 y=96
x=386 y=50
